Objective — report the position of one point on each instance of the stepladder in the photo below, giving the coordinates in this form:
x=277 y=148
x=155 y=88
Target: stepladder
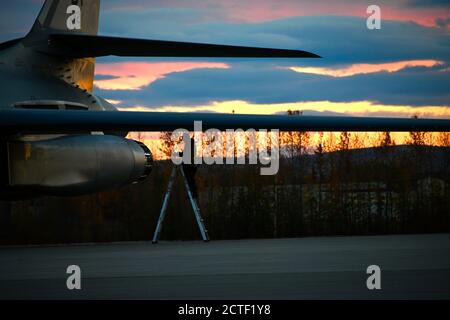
x=192 y=200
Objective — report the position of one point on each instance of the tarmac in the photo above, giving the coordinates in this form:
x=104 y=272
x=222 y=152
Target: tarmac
x=412 y=267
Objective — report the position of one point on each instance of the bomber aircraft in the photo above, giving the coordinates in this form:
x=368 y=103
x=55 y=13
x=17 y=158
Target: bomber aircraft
x=59 y=138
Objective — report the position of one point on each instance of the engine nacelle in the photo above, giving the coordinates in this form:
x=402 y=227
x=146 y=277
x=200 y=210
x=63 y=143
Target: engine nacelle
x=75 y=165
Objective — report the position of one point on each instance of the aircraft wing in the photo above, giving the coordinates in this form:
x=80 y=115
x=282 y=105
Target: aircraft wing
x=81 y=45
x=14 y=121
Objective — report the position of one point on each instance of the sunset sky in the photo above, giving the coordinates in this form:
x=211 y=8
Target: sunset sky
x=401 y=70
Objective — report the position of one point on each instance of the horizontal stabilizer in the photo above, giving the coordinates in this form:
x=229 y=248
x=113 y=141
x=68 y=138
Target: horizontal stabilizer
x=80 y=46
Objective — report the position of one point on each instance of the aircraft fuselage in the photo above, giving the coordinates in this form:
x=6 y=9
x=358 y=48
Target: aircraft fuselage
x=34 y=165
x=27 y=75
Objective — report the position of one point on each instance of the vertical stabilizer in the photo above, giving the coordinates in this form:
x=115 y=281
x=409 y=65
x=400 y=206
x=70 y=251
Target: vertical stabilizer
x=66 y=17
x=72 y=16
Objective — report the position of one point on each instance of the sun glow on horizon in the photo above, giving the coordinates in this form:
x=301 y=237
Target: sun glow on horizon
x=358 y=139
x=357 y=108
x=328 y=140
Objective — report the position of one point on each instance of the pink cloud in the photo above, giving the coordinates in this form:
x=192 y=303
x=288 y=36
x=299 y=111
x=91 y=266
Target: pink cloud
x=264 y=10
x=257 y=11
x=135 y=75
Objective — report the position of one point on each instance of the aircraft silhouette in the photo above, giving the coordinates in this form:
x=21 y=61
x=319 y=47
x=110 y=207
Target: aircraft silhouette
x=58 y=138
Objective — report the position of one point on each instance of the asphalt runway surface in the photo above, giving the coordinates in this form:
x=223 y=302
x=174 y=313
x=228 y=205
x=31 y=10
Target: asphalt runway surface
x=412 y=267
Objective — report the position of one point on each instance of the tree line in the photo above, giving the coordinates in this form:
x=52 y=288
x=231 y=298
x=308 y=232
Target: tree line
x=333 y=188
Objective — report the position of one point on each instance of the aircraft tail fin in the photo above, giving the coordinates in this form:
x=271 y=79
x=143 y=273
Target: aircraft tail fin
x=68 y=16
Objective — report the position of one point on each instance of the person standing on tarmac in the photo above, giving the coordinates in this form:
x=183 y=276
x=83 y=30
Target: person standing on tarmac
x=190 y=170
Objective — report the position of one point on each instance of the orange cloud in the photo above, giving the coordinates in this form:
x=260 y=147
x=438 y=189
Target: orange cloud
x=135 y=75
x=114 y=102
x=365 y=68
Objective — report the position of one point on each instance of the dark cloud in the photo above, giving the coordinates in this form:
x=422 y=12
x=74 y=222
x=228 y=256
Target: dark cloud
x=442 y=23
x=17 y=18
x=414 y=86
x=428 y=3
x=104 y=77
x=340 y=40
x=337 y=38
